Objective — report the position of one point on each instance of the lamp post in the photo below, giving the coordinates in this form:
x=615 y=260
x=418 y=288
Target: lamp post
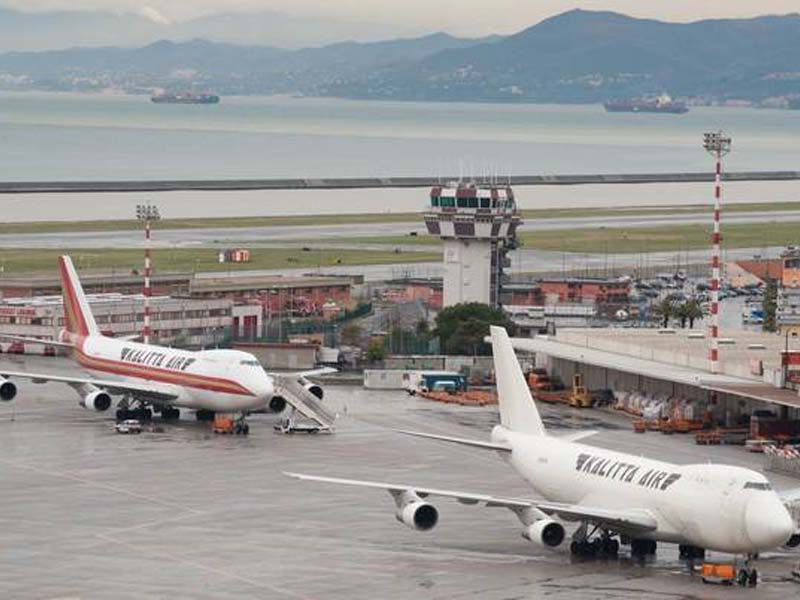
x=147 y=213
x=717 y=145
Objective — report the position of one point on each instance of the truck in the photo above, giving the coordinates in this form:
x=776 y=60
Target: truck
x=437 y=381
x=538 y=379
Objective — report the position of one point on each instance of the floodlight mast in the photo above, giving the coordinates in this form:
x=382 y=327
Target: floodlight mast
x=717 y=145
x=147 y=213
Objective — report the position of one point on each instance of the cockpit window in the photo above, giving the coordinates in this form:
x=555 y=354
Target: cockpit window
x=250 y=363
x=757 y=485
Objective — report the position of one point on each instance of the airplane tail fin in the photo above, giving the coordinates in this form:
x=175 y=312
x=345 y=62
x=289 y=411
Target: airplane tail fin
x=518 y=412
x=78 y=316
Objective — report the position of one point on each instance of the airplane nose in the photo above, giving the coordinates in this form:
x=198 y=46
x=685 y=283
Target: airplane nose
x=769 y=524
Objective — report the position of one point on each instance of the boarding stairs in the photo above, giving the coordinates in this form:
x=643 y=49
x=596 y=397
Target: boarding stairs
x=318 y=417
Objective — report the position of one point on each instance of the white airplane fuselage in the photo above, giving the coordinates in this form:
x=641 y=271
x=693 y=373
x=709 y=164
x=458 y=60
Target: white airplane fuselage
x=216 y=380
x=717 y=507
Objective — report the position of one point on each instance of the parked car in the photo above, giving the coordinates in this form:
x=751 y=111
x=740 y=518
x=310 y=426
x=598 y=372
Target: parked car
x=129 y=426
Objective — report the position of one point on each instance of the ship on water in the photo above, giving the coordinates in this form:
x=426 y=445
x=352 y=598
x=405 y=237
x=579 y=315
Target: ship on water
x=660 y=104
x=185 y=98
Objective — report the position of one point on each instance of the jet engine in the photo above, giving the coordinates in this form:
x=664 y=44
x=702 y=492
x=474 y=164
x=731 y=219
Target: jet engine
x=277 y=404
x=97 y=400
x=545 y=532
x=8 y=389
x=312 y=387
x=793 y=541
x=418 y=515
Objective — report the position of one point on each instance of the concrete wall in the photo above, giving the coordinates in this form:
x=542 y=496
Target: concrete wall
x=282 y=356
x=467 y=271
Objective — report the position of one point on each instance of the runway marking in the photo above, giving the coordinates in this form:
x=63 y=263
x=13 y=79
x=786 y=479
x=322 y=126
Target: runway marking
x=206 y=568
x=104 y=486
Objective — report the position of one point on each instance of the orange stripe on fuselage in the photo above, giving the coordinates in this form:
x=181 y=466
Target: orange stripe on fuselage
x=190 y=380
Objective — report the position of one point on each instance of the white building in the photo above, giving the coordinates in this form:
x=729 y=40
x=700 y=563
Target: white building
x=187 y=322
x=478 y=227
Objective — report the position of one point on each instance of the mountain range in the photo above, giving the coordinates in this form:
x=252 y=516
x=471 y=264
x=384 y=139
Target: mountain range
x=578 y=56
x=35 y=31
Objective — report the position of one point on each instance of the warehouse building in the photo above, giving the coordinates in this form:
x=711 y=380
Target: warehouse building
x=671 y=366
x=186 y=322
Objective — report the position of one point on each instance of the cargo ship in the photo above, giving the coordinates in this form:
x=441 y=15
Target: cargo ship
x=185 y=98
x=661 y=104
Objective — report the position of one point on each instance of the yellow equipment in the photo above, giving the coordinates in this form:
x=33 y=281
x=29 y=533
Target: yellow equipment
x=580 y=396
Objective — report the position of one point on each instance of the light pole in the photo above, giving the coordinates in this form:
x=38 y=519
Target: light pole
x=717 y=145
x=147 y=213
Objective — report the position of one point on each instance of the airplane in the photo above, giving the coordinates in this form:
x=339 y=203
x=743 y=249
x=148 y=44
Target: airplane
x=167 y=379
x=699 y=506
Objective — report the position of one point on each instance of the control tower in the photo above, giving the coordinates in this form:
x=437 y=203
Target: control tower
x=478 y=226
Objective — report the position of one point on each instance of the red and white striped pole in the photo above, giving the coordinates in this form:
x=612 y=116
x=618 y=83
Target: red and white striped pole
x=147 y=213
x=147 y=266
x=717 y=145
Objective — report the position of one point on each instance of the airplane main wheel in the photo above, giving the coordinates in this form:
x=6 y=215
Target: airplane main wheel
x=743 y=577
x=752 y=580
x=245 y=429
x=204 y=415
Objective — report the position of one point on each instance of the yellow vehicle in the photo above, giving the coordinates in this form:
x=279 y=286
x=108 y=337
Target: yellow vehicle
x=580 y=396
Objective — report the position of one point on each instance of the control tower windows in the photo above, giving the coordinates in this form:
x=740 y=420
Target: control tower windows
x=445 y=202
x=486 y=202
x=435 y=201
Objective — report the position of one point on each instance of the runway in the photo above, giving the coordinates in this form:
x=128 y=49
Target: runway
x=89 y=513
x=348 y=233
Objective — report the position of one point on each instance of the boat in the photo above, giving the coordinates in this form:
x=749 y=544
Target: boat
x=185 y=98
x=660 y=104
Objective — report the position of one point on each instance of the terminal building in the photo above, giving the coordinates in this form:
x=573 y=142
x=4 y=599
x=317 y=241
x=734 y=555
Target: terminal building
x=478 y=227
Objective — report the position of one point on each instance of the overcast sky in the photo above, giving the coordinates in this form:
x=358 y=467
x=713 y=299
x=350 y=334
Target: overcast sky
x=466 y=17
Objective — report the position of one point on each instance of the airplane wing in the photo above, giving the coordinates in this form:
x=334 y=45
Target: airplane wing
x=422 y=492
x=313 y=372
x=627 y=520
x=27 y=340
x=152 y=392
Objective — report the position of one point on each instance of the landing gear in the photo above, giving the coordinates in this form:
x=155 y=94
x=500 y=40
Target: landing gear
x=643 y=548
x=747 y=577
x=126 y=410
x=604 y=546
x=691 y=552
x=170 y=413
x=204 y=415
x=748 y=574
x=140 y=414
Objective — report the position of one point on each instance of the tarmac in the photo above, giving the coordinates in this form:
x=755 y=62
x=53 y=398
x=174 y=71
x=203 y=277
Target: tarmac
x=182 y=513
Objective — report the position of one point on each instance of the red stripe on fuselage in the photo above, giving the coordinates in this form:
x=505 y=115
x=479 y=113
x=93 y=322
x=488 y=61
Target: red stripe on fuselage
x=190 y=380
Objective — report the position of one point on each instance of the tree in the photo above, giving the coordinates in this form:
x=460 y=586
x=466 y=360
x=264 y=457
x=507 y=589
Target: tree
x=462 y=328
x=351 y=334
x=770 y=305
x=376 y=351
x=422 y=327
x=665 y=309
x=682 y=314
x=693 y=311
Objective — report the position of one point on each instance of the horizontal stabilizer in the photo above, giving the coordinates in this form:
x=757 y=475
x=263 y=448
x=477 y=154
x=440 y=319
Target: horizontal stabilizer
x=456 y=440
x=576 y=436
x=27 y=340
